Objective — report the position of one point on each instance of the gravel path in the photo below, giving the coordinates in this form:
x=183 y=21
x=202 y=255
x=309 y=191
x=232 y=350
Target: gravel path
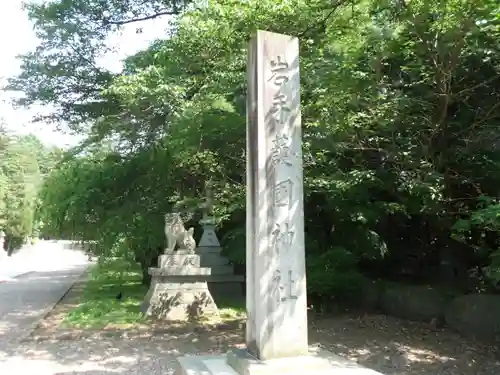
x=101 y=356
x=388 y=345
x=92 y=357
x=398 y=347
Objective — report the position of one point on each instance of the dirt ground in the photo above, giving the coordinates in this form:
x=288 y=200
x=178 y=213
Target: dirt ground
x=386 y=344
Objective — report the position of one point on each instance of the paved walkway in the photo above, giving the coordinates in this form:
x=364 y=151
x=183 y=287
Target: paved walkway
x=43 y=256
x=25 y=299
x=46 y=274
x=16 y=264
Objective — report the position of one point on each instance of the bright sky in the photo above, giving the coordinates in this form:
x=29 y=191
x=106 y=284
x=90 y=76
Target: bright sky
x=18 y=37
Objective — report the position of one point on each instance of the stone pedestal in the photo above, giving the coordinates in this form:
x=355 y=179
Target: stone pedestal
x=179 y=259
x=232 y=288
x=210 y=250
x=179 y=289
x=239 y=362
x=212 y=257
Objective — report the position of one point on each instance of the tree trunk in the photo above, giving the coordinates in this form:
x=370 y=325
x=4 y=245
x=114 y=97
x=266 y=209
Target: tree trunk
x=146 y=277
x=147 y=260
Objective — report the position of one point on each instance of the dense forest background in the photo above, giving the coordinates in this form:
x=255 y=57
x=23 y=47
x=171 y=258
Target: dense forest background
x=24 y=163
x=401 y=121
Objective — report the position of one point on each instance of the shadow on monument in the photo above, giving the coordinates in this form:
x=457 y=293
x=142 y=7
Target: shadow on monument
x=193 y=310
x=281 y=142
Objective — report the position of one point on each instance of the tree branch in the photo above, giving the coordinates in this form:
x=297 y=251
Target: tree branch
x=323 y=22
x=173 y=12
x=488 y=81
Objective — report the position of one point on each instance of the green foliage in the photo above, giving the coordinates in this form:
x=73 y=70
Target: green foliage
x=479 y=230
x=233 y=242
x=400 y=127
x=63 y=70
x=23 y=161
x=334 y=274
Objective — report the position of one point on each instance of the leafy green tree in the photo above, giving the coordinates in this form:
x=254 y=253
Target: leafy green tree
x=63 y=70
x=20 y=181
x=400 y=117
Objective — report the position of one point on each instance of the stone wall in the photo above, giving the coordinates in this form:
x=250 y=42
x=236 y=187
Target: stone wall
x=419 y=303
x=472 y=315
x=476 y=315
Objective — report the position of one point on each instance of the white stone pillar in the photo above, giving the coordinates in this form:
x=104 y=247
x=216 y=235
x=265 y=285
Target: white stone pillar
x=276 y=279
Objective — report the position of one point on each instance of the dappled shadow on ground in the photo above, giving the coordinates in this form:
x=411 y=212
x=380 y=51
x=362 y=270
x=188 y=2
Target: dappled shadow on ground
x=14 y=322
x=398 y=347
x=98 y=355
x=20 y=310
x=391 y=346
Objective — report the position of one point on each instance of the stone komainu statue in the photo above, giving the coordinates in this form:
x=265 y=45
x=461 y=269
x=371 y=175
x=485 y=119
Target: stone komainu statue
x=176 y=234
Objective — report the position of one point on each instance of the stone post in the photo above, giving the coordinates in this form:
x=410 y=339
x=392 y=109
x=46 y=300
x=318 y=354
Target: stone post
x=275 y=257
x=209 y=237
x=276 y=335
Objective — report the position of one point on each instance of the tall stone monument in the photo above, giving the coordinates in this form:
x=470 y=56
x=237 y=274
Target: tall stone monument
x=275 y=258
x=276 y=332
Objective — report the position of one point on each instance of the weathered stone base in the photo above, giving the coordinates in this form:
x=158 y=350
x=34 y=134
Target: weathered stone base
x=178 y=298
x=232 y=288
x=239 y=362
x=211 y=256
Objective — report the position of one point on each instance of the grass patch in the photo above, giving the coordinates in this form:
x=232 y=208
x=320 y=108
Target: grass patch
x=230 y=309
x=98 y=305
